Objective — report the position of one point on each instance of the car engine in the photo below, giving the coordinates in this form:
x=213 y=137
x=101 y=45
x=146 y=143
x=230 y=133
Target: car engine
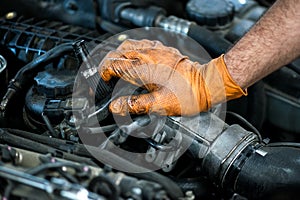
x=58 y=139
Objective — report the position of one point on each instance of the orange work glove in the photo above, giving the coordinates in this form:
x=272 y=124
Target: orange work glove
x=176 y=85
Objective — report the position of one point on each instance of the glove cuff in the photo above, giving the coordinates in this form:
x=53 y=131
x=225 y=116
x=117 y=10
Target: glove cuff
x=219 y=83
x=233 y=90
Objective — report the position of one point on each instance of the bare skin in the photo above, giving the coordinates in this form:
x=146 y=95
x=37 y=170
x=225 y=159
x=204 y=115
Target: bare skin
x=273 y=42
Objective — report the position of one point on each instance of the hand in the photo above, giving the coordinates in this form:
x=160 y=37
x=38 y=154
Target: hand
x=176 y=85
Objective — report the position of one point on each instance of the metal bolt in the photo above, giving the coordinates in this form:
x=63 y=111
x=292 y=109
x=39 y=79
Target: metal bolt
x=122 y=37
x=86 y=168
x=190 y=195
x=137 y=191
x=73 y=119
x=11 y=15
x=64 y=169
x=3 y=63
x=18 y=158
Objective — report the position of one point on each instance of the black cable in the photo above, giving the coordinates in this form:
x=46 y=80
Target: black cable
x=49 y=125
x=35 y=143
x=243 y=120
x=68 y=176
x=7 y=138
x=50 y=166
x=266 y=3
x=8 y=190
x=40 y=62
x=59 y=144
x=114 y=192
x=284 y=144
x=58 y=166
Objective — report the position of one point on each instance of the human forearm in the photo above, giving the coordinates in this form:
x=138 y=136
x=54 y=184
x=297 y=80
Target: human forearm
x=273 y=42
x=178 y=86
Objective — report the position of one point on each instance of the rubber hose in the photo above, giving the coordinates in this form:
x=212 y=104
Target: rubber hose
x=28 y=143
x=62 y=145
x=273 y=176
x=38 y=63
x=212 y=42
x=14 y=140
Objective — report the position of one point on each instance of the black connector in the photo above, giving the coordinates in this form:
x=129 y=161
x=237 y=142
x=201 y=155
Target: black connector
x=100 y=88
x=142 y=17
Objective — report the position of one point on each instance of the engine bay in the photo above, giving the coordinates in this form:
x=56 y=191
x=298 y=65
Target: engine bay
x=58 y=139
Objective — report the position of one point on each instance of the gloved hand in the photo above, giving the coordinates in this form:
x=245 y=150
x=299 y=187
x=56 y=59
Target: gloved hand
x=176 y=85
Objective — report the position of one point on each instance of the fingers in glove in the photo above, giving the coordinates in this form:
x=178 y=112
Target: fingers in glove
x=114 y=65
x=131 y=44
x=128 y=65
x=135 y=104
x=144 y=44
x=154 y=102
